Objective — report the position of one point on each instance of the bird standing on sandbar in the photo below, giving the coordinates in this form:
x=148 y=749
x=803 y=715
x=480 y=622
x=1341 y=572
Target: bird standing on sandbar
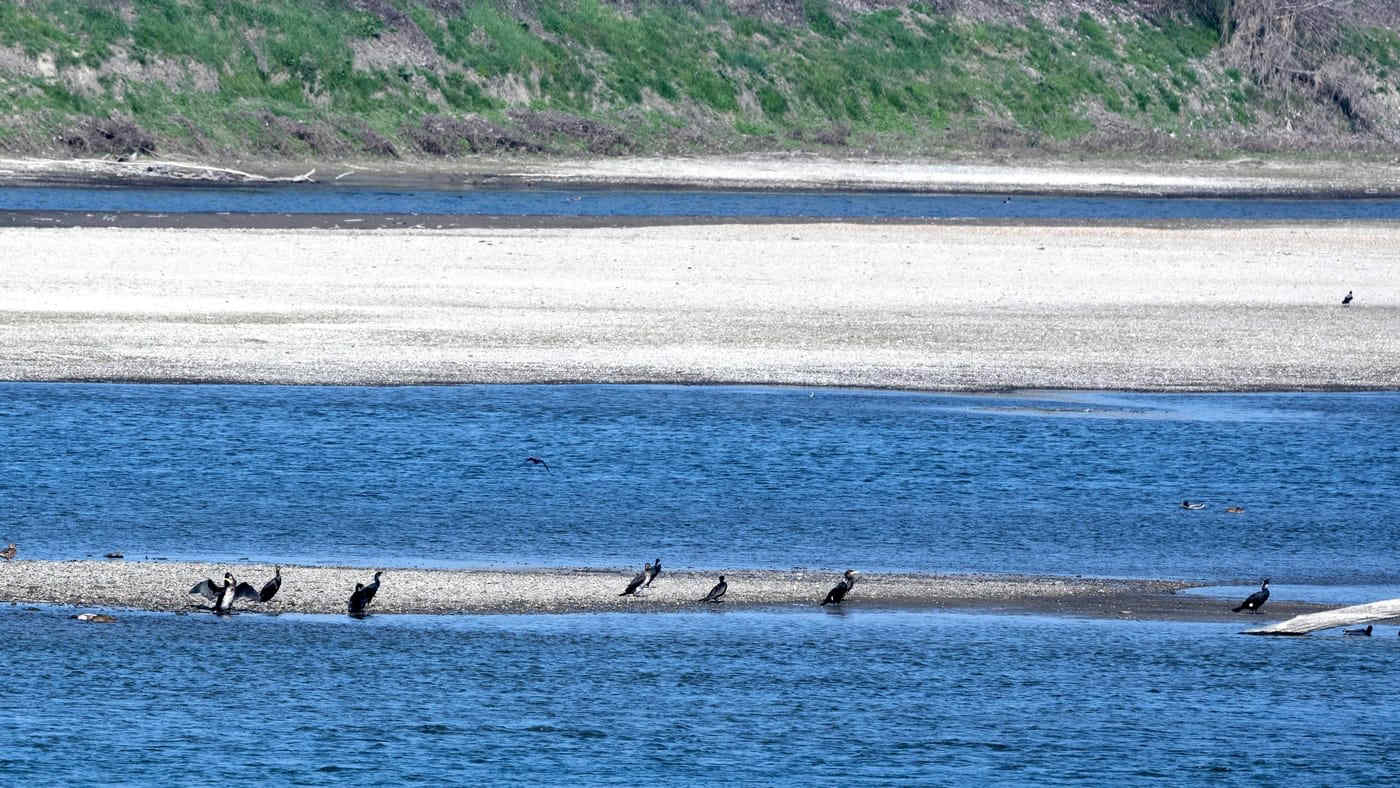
x=9 y=552
x=637 y=580
x=716 y=594
x=270 y=588
x=1346 y=299
x=223 y=596
x=654 y=573
x=835 y=595
x=1256 y=600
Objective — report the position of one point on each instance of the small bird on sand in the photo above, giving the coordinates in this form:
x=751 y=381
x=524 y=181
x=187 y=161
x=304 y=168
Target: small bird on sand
x=270 y=588
x=1256 y=600
x=1346 y=299
x=637 y=580
x=716 y=594
x=654 y=573
x=537 y=461
x=9 y=552
x=835 y=595
x=1365 y=633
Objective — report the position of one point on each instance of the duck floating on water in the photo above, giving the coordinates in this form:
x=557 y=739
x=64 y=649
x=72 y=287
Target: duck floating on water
x=1365 y=632
x=1192 y=506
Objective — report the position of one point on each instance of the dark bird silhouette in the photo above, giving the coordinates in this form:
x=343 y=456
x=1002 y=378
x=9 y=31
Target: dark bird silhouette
x=357 y=600
x=835 y=595
x=717 y=593
x=1192 y=506
x=1256 y=600
x=1346 y=299
x=9 y=552
x=637 y=580
x=654 y=573
x=363 y=595
x=1365 y=633
x=271 y=587
x=223 y=595
x=537 y=461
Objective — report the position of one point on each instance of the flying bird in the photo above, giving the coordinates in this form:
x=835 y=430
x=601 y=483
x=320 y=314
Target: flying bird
x=1346 y=299
x=835 y=595
x=716 y=594
x=641 y=577
x=9 y=552
x=271 y=587
x=1256 y=600
x=654 y=573
x=537 y=461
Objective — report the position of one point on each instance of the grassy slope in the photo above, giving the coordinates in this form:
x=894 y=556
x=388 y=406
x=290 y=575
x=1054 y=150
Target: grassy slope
x=282 y=78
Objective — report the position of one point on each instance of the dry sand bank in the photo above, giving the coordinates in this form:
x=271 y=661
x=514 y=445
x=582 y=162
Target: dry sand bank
x=933 y=307
x=164 y=586
x=1238 y=177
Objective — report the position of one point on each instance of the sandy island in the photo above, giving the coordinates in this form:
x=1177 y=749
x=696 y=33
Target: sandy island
x=924 y=306
x=163 y=586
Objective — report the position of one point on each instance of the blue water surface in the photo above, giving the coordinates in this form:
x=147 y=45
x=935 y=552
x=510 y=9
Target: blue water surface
x=721 y=697
x=328 y=198
x=709 y=478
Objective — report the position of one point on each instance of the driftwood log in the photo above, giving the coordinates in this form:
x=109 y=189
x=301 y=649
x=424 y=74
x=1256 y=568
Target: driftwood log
x=1329 y=619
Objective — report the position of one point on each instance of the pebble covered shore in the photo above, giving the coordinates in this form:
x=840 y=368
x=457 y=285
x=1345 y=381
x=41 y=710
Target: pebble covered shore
x=164 y=586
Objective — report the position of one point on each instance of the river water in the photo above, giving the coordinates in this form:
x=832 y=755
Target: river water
x=707 y=478
x=333 y=199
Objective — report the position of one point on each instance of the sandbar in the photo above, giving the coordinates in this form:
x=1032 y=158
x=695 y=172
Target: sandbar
x=164 y=586
x=935 y=307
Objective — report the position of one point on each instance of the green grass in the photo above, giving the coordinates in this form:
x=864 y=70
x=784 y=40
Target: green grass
x=907 y=74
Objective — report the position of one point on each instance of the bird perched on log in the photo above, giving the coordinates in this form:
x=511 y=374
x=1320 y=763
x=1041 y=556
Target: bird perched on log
x=835 y=595
x=9 y=552
x=1256 y=600
x=1365 y=633
x=637 y=580
x=271 y=587
x=654 y=573
x=224 y=595
x=716 y=594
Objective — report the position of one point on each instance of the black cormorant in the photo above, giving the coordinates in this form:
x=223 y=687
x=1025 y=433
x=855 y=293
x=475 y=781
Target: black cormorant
x=537 y=461
x=1346 y=300
x=717 y=593
x=9 y=552
x=223 y=595
x=1256 y=600
x=270 y=588
x=641 y=577
x=1365 y=633
x=654 y=573
x=357 y=600
x=835 y=595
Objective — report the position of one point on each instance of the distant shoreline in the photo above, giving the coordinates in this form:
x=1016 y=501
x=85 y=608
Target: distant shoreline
x=1238 y=178
x=163 y=586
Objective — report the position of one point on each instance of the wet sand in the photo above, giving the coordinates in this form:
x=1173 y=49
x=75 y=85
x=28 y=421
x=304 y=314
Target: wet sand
x=939 y=307
x=163 y=586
